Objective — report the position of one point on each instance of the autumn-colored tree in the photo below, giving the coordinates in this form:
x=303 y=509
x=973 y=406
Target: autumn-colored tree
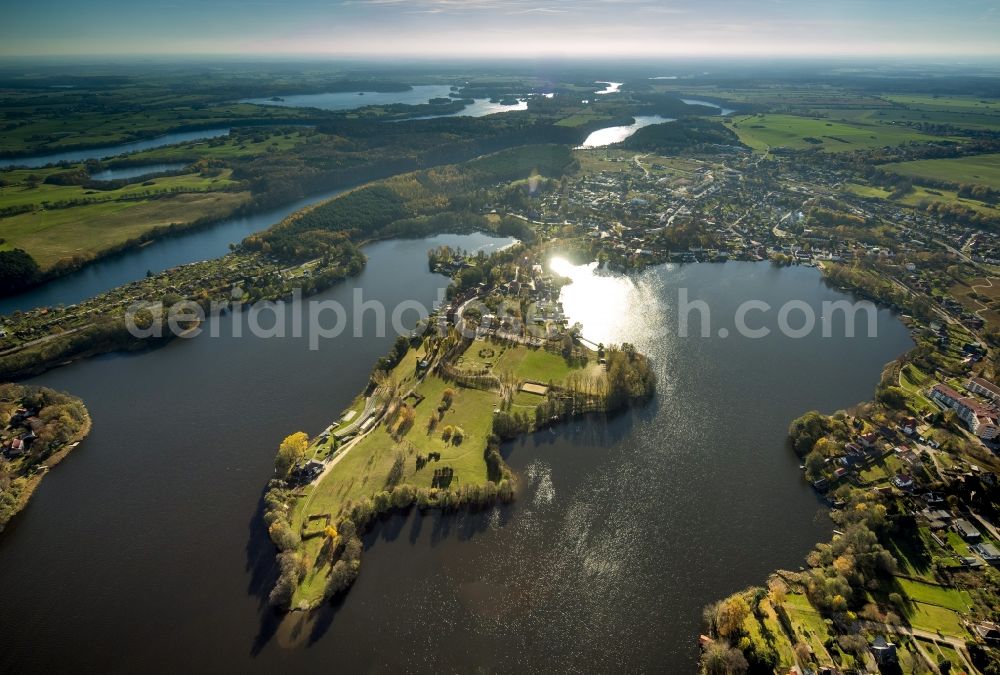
x=777 y=590
x=291 y=450
x=733 y=611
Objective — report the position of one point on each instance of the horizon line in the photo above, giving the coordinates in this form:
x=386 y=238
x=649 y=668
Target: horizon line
x=915 y=56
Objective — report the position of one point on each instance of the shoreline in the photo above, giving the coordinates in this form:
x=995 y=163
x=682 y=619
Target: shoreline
x=317 y=533
x=42 y=468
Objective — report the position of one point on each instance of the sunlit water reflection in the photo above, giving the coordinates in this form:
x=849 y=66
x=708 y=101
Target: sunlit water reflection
x=611 y=135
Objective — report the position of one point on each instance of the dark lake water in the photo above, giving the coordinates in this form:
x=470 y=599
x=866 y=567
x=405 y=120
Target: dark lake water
x=112 y=150
x=201 y=244
x=142 y=552
x=135 y=171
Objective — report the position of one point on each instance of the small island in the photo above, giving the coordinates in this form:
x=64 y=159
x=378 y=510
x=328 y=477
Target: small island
x=40 y=427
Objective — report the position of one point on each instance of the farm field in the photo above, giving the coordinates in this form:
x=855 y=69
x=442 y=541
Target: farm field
x=223 y=147
x=21 y=191
x=86 y=231
x=791 y=131
x=920 y=195
x=974 y=169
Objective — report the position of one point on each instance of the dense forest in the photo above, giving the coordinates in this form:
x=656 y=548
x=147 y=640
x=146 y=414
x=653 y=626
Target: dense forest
x=18 y=270
x=683 y=135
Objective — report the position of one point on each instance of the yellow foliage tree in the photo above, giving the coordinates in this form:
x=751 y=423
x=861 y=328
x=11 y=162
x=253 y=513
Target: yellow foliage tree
x=733 y=611
x=291 y=450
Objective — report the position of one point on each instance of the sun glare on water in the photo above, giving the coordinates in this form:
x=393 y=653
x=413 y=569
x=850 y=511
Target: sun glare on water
x=610 y=307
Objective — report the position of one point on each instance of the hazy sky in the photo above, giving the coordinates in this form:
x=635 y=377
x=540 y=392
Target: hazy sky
x=507 y=27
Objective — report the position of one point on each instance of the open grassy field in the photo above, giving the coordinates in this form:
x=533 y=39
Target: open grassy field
x=223 y=147
x=922 y=195
x=935 y=618
x=362 y=468
x=967 y=112
x=914 y=383
x=932 y=101
x=536 y=364
x=808 y=624
x=975 y=169
x=524 y=362
x=954 y=599
x=76 y=221
x=20 y=192
x=980 y=295
x=365 y=468
x=51 y=236
x=867 y=191
x=792 y=131
x=585 y=116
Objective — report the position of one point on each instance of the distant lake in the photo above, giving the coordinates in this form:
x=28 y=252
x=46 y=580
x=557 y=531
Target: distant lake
x=611 y=135
x=418 y=95
x=349 y=100
x=112 y=150
x=136 y=171
x=722 y=111
x=480 y=107
x=611 y=88
x=483 y=106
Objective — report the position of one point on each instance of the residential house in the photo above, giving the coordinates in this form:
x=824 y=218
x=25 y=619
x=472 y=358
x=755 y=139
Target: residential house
x=989 y=552
x=966 y=529
x=883 y=651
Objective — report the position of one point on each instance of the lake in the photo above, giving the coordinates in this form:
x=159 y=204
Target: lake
x=611 y=135
x=721 y=110
x=211 y=241
x=348 y=100
x=419 y=94
x=135 y=171
x=144 y=552
x=112 y=150
x=610 y=88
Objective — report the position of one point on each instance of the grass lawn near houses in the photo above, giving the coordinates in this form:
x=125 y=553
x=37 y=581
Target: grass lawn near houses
x=914 y=382
x=938 y=619
x=364 y=469
x=767 y=631
x=912 y=550
x=526 y=363
x=808 y=624
x=955 y=599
